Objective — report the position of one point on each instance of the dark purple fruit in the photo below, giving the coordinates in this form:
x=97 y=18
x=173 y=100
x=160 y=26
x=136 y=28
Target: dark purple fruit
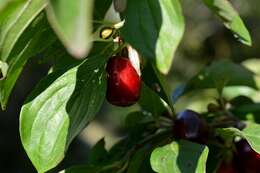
x=247 y=159
x=190 y=126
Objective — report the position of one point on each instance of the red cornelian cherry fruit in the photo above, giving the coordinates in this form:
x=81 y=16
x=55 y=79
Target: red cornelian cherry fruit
x=123 y=82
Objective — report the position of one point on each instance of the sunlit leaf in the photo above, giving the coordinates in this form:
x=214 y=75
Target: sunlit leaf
x=15 y=24
x=58 y=109
x=180 y=157
x=155 y=29
x=230 y=18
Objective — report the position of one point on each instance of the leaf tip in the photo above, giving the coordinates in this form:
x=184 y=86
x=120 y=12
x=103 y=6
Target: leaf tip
x=79 y=52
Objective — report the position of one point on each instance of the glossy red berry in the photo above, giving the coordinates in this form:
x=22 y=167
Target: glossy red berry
x=123 y=82
x=189 y=125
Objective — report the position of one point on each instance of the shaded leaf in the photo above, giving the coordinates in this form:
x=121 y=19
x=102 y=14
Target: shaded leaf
x=155 y=29
x=248 y=111
x=101 y=7
x=136 y=162
x=154 y=80
x=241 y=101
x=73 y=25
x=58 y=109
x=230 y=19
x=137 y=119
x=151 y=102
x=180 y=157
x=98 y=153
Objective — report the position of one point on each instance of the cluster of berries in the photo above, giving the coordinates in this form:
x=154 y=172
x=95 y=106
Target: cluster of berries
x=124 y=88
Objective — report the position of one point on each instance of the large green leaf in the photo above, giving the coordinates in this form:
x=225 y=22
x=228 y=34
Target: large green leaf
x=155 y=29
x=230 y=19
x=218 y=75
x=16 y=23
x=180 y=157
x=250 y=133
x=72 y=21
x=28 y=45
x=58 y=109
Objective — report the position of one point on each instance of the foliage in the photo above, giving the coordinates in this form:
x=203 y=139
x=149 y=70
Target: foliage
x=80 y=37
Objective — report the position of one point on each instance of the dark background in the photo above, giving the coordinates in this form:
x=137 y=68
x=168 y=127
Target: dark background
x=205 y=40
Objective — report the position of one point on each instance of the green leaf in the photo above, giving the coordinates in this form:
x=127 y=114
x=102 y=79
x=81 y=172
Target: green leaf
x=72 y=22
x=252 y=64
x=58 y=57
x=180 y=157
x=230 y=18
x=3 y=70
x=250 y=133
x=101 y=7
x=98 y=153
x=138 y=119
x=15 y=24
x=241 y=101
x=99 y=22
x=248 y=111
x=5 y=3
x=218 y=75
x=58 y=109
x=245 y=109
x=7 y=7
x=155 y=29
x=29 y=44
x=154 y=80
x=137 y=160
x=151 y=102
